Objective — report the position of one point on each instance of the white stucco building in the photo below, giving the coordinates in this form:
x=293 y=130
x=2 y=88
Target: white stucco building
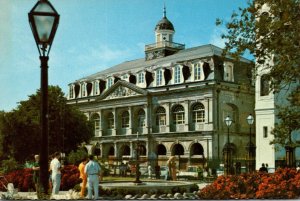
x=174 y=101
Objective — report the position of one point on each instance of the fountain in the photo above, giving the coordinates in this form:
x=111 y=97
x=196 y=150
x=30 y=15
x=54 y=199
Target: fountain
x=137 y=186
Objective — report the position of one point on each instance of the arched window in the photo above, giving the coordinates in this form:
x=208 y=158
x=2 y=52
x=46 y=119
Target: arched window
x=125 y=119
x=141 y=118
x=178 y=114
x=96 y=119
x=110 y=121
x=198 y=113
x=264 y=85
x=177 y=75
x=160 y=116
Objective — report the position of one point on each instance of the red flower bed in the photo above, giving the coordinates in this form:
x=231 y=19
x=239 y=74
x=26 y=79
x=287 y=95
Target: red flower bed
x=22 y=179
x=69 y=177
x=284 y=183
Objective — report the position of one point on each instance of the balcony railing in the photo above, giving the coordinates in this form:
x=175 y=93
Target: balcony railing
x=165 y=44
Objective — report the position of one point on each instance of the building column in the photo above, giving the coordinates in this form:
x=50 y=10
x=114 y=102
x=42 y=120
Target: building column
x=186 y=115
x=131 y=118
x=131 y=149
x=208 y=109
x=114 y=130
x=168 y=119
x=101 y=123
x=147 y=119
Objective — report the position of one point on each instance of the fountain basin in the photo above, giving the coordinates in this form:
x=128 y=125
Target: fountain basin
x=158 y=187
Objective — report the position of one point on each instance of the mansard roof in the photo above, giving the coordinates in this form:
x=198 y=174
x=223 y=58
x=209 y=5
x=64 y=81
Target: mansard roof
x=141 y=64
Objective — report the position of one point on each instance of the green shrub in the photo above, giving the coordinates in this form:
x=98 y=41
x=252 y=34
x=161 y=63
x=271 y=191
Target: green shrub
x=9 y=165
x=75 y=157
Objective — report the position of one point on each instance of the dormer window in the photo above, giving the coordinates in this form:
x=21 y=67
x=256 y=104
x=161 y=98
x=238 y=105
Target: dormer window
x=141 y=78
x=96 y=84
x=197 y=71
x=228 y=72
x=109 y=82
x=177 y=75
x=71 y=92
x=159 y=77
x=83 y=90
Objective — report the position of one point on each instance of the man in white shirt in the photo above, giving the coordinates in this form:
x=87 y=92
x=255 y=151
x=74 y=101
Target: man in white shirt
x=55 y=168
x=92 y=170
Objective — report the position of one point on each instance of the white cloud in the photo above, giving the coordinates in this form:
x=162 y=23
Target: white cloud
x=216 y=38
x=103 y=55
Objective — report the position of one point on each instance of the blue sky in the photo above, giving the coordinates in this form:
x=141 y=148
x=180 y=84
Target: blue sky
x=95 y=34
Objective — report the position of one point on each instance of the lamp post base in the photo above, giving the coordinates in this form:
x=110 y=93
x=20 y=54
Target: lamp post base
x=290 y=156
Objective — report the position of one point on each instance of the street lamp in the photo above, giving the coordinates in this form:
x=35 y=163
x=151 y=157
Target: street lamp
x=137 y=164
x=227 y=149
x=251 y=147
x=43 y=20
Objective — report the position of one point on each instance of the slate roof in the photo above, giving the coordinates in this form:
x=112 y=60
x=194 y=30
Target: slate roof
x=141 y=64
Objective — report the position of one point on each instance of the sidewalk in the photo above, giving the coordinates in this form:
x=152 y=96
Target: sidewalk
x=63 y=195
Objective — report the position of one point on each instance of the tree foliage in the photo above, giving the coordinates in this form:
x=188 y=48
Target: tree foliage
x=20 y=128
x=271 y=34
x=270 y=31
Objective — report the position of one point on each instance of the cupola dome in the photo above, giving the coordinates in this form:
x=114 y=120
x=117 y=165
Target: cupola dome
x=164 y=23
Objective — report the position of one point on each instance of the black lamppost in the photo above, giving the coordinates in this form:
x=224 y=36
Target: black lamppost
x=43 y=20
x=290 y=152
x=227 y=149
x=137 y=164
x=251 y=147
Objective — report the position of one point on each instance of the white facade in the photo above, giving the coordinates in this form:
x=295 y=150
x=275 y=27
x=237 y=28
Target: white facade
x=174 y=101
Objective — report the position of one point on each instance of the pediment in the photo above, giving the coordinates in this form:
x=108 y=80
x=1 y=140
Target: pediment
x=122 y=89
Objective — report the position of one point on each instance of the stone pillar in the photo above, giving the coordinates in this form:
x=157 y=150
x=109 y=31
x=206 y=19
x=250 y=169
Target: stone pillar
x=186 y=115
x=101 y=123
x=114 y=130
x=168 y=119
x=147 y=119
x=131 y=119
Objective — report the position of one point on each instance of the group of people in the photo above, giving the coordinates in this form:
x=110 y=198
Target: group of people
x=264 y=168
x=54 y=169
x=89 y=173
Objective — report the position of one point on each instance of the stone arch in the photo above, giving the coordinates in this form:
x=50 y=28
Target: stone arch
x=197 y=112
x=111 y=151
x=178 y=114
x=196 y=149
x=96 y=150
x=124 y=150
x=95 y=118
x=232 y=146
x=160 y=116
x=231 y=110
x=161 y=149
x=142 y=150
x=177 y=149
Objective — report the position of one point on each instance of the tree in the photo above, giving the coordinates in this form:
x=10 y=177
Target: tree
x=270 y=31
x=68 y=127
